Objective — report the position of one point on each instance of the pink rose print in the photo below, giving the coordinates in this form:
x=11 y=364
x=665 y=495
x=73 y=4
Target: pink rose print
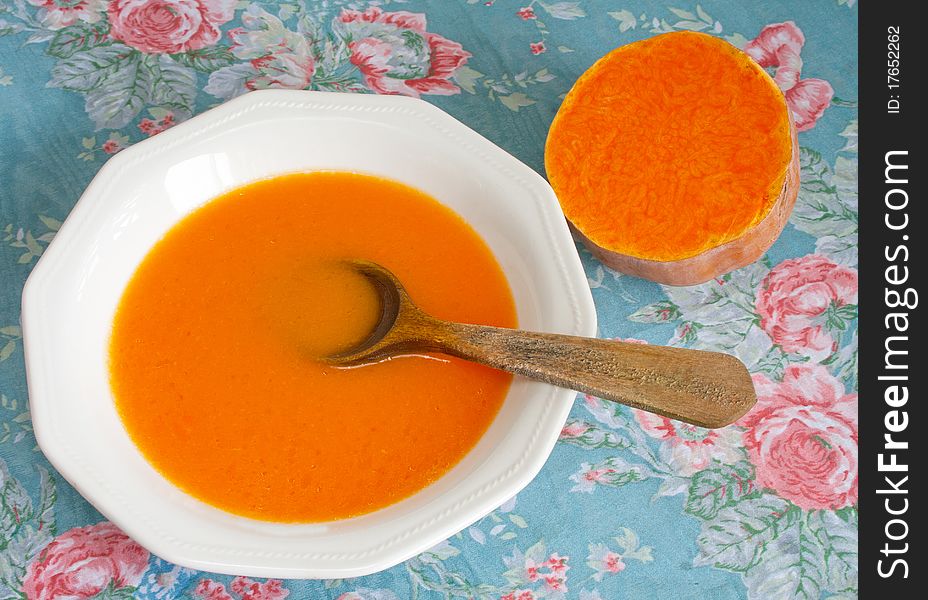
x=802 y=438
x=604 y=561
x=57 y=14
x=152 y=127
x=555 y=583
x=587 y=478
x=272 y=589
x=613 y=562
x=688 y=448
x=518 y=595
x=574 y=430
x=111 y=146
x=778 y=46
x=282 y=70
x=801 y=298
x=169 y=26
x=537 y=573
x=396 y=55
x=526 y=13
x=557 y=564
x=84 y=561
x=537 y=47
x=211 y=590
x=244 y=588
x=552 y=572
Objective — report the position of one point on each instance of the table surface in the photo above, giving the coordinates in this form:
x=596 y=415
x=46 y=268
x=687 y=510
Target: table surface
x=629 y=505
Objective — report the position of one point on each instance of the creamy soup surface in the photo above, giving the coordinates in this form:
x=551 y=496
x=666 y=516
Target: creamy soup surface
x=213 y=354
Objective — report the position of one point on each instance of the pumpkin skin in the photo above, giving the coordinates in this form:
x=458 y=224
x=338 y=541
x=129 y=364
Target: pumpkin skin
x=675 y=159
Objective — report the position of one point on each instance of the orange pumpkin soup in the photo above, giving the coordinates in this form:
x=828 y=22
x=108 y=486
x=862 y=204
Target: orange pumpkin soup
x=211 y=354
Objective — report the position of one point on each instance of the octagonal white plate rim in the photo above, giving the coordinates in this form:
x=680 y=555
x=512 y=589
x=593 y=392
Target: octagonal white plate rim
x=266 y=562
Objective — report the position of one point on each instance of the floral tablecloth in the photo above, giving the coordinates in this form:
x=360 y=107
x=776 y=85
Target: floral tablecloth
x=629 y=505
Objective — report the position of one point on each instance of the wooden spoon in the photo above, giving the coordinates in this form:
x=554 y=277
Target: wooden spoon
x=708 y=389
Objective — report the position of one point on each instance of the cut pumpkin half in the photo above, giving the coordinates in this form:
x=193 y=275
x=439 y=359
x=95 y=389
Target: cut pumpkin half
x=675 y=158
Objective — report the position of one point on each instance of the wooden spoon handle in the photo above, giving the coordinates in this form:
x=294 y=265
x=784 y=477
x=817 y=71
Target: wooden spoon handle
x=709 y=389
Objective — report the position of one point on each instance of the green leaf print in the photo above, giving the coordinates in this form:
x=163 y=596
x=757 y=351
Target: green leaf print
x=24 y=530
x=173 y=86
x=111 y=592
x=124 y=95
x=590 y=436
x=48 y=495
x=516 y=100
x=736 y=537
x=15 y=504
x=564 y=10
x=719 y=486
x=87 y=70
x=9 y=339
x=838 y=538
x=827 y=205
x=631 y=546
x=77 y=37
x=15 y=420
x=206 y=60
x=625 y=18
x=793 y=565
x=467 y=78
x=119 y=82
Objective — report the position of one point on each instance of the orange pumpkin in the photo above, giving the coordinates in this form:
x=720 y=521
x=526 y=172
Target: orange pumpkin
x=675 y=158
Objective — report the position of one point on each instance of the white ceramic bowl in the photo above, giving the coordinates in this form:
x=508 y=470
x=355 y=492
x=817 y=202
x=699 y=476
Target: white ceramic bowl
x=71 y=296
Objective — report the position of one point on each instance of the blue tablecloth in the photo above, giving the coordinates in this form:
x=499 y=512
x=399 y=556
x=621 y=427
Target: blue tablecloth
x=629 y=505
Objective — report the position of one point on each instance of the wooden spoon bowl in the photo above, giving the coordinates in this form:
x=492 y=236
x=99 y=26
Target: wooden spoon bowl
x=708 y=389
